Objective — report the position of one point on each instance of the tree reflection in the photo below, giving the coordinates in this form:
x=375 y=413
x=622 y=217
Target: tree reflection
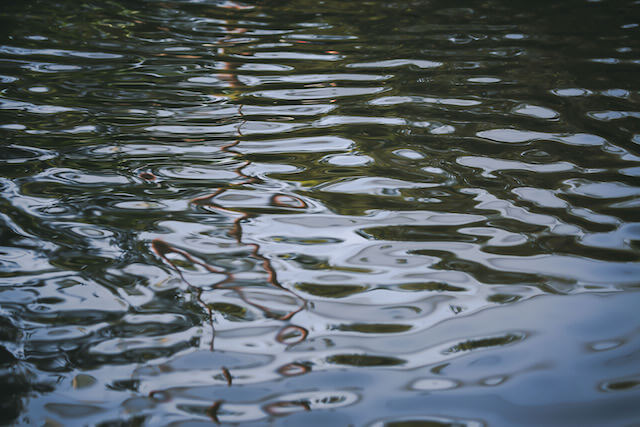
x=289 y=334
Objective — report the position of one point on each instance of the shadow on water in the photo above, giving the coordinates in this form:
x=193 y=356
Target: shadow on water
x=319 y=213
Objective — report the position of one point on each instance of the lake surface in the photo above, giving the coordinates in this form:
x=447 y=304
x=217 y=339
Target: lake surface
x=320 y=213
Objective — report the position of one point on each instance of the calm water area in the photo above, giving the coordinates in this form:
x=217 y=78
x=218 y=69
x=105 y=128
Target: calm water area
x=319 y=213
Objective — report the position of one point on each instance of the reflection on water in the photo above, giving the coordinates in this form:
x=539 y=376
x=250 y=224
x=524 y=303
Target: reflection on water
x=324 y=213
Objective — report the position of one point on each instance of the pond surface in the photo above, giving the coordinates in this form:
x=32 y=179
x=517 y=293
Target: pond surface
x=321 y=213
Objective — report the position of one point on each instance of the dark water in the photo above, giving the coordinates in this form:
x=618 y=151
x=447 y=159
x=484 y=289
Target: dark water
x=320 y=213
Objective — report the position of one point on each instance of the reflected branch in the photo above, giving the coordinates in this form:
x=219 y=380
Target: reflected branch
x=163 y=249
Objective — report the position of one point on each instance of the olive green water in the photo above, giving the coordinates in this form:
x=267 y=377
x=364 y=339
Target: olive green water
x=321 y=213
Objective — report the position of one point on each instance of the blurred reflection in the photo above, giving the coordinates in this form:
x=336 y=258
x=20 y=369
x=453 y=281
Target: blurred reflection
x=374 y=210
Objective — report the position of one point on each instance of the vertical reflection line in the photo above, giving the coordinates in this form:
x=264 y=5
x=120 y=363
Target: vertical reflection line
x=212 y=411
x=236 y=230
x=162 y=248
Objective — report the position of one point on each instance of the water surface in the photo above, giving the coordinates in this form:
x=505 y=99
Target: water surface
x=319 y=213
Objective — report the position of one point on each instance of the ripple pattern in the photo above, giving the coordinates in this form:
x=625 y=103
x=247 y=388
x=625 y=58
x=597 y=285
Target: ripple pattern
x=336 y=213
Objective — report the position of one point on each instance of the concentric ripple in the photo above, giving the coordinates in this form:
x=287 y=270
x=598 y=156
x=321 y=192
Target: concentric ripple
x=324 y=213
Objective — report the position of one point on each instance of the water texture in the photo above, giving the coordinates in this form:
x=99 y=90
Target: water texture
x=319 y=213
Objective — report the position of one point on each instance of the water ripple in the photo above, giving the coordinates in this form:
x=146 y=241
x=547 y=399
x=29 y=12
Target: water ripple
x=338 y=213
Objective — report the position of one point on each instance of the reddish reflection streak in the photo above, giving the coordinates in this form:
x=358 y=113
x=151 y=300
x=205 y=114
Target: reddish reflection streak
x=212 y=411
x=162 y=248
x=293 y=369
x=227 y=375
x=147 y=176
x=236 y=229
x=286 y=407
x=287 y=201
x=291 y=331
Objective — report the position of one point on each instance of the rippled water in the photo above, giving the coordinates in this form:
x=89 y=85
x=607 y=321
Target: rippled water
x=320 y=213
